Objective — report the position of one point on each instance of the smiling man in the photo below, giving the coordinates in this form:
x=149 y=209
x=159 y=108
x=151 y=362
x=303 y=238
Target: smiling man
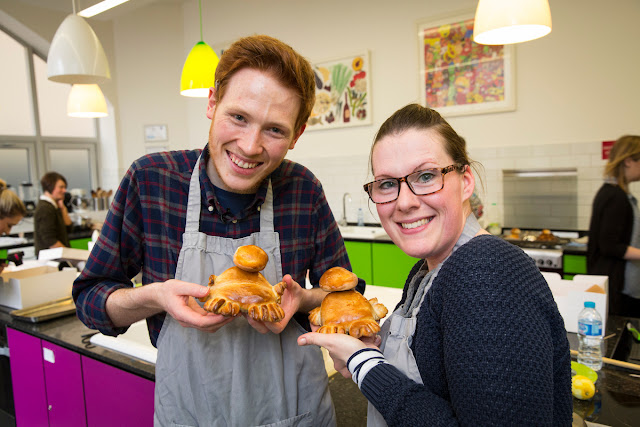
x=179 y=217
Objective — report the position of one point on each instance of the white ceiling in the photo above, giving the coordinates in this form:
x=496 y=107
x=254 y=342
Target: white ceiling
x=66 y=6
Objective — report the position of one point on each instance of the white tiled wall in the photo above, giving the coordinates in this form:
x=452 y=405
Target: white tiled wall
x=340 y=175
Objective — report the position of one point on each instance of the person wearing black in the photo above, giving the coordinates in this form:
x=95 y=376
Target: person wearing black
x=51 y=218
x=614 y=231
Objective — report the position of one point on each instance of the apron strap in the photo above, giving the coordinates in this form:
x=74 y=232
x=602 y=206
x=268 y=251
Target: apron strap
x=193 y=205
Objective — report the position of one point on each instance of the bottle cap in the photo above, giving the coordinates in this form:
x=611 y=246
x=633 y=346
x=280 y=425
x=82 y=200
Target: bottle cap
x=590 y=304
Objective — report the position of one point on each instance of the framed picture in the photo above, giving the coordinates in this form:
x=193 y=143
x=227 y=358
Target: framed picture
x=459 y=76
x=343 y=93
x=155 y=133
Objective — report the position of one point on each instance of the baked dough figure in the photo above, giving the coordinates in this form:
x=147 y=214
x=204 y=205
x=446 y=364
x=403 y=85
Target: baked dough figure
x=343 y=310
x=243 y=289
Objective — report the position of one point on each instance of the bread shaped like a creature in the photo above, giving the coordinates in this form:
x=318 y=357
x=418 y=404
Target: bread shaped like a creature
x=346 y=311
x=244 y=289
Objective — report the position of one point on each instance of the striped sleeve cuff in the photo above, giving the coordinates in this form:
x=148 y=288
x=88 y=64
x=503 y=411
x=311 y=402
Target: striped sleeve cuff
x=362 y=361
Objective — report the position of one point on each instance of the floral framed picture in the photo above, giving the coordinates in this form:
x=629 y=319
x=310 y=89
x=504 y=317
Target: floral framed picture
x=459 y=76
x=343 y=93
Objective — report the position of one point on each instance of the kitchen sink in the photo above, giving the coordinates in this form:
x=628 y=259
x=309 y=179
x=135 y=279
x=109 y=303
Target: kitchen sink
x=359 y=232
x=135 y=342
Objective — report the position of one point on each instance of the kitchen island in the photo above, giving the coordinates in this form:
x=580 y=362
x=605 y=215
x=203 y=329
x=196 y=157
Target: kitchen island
x=617 y=400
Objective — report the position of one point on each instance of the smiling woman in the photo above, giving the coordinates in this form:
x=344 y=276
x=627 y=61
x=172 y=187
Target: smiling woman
x=456 y=347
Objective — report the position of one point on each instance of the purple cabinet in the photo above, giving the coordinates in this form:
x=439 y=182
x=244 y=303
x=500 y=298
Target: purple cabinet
x=54 y=386
x=115 y=397
x=47 y=382
x=63 y=382
x=27 y=375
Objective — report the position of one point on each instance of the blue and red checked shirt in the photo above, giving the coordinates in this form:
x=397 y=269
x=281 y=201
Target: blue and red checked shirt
x=143 y=230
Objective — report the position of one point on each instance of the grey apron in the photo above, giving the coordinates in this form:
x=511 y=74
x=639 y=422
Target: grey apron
x=397 y=331
x=236 y=376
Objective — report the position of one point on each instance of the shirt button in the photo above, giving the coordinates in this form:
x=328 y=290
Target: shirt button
x=234 y=221
x=210 y=208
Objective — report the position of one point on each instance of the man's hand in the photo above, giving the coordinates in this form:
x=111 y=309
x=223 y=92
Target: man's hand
x=179 y=301
x=339 y=346
x=290 y=302
x=177 y=298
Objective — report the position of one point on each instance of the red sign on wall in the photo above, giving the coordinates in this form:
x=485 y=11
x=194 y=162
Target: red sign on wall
x=606 y=147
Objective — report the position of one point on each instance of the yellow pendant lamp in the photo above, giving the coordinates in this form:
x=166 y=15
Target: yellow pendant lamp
x=500 y=22
x=199 y=70
x=86 y=101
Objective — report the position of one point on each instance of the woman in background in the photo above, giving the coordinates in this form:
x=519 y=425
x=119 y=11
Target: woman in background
x=477 y=338
x=12 y=210
x=614 y=232
x=51 y=218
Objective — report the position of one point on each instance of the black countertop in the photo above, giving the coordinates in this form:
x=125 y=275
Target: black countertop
x=70 y=333
x=616 y=403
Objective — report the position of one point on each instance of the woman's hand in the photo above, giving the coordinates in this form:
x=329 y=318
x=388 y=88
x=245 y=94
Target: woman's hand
x=339 y=346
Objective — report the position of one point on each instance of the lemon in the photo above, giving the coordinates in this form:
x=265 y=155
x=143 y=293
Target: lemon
x=582 y=387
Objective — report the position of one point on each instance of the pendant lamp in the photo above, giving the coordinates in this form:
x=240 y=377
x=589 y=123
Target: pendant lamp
x=199 y=70
x=86 y=101
x=76 y=55
x=500 y=22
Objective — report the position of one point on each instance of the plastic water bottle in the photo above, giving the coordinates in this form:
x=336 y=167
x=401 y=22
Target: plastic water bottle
x=360 y=217
x=590 y=336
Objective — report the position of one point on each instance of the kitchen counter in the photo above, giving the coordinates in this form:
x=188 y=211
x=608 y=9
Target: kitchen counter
x=617 y=401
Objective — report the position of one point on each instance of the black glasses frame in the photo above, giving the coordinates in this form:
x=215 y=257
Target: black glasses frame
x=443 y=171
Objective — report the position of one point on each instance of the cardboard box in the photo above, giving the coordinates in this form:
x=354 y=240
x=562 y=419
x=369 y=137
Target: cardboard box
x=63 y=254
x=570 y=296
x=33 y=286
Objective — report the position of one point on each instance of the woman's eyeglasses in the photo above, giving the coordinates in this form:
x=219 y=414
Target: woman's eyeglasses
x=420 y=183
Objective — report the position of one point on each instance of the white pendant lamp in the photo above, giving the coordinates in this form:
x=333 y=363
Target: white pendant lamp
x=86 y=101
x=499 y=22
x=76 y=55
x=199 y=70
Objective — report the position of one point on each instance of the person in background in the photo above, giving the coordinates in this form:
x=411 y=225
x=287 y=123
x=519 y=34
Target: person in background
x=476 y=206
x=51 y=218
x=477 y=338
x=179 y=217
x=613 y=248
x=12 y=210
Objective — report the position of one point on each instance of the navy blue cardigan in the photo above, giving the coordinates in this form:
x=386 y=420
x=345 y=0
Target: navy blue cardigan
x=490 y=346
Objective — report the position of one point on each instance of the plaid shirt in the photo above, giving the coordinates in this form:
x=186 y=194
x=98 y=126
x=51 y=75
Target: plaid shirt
x=143 y=230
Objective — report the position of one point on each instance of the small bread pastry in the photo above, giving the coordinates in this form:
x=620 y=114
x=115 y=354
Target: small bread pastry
x=338 y=279
x=250 y=258
x=348 y=312
x=237 y=290
x=515 y=234
x=546 y=236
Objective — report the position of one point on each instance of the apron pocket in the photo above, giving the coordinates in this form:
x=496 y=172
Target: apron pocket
x=303 y=420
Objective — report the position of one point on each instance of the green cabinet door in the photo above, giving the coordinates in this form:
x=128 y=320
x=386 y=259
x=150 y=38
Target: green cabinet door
x=360 y=258
x=573 y=264
x=80 y=243
x=391 y=266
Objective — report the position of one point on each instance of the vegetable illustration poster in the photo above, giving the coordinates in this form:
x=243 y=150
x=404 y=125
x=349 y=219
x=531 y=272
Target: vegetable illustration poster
x=459 y=76
x=343 y=93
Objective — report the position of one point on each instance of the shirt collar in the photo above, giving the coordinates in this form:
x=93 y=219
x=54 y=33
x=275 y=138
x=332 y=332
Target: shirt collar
x=210 y=194
x=50 y=200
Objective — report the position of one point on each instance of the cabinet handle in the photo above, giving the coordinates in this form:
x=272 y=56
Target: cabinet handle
x=49 y=408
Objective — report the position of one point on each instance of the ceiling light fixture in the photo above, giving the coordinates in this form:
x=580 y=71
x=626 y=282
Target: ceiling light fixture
x=500 y=22
x=76 y=55
x=100 y=7
x=199 y=70
x=86 y=101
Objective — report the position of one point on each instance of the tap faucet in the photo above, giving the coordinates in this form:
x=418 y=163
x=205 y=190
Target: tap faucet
x=346 y=196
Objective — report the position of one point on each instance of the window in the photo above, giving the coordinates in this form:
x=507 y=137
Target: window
x=36 y=135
